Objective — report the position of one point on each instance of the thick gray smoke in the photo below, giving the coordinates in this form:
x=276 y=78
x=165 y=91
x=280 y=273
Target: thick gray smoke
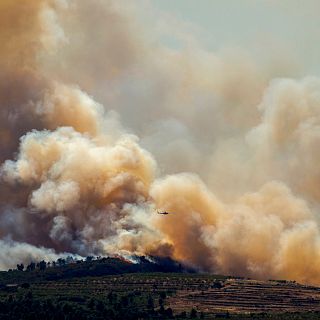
x=229 y=151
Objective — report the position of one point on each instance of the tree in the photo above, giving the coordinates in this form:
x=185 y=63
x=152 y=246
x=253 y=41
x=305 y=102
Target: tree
x=25 y=285
x=111 y=296
x=29 y=296
x=163 y=295
x=67 y=308
x=150 y=303
x=20 y=267
x=91 y=304
x=124 y=301
x=42 y=265
x=100 y=306
x=61 y=262
x=193 y=313
x=169 y=313
x=31 y=266
x=161 y=309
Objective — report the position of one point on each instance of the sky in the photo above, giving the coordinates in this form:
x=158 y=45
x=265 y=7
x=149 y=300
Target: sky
x=260 y=26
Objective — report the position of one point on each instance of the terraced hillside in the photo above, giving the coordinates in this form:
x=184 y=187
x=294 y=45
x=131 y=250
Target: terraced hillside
x=201 y=292
x=211 y=295
x=247 y=296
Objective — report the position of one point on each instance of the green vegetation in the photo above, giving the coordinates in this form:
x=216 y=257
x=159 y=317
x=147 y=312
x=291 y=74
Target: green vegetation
x=112 y=288
x=33 y=304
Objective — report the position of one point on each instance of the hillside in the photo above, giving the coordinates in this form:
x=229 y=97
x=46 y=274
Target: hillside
x=114 y=288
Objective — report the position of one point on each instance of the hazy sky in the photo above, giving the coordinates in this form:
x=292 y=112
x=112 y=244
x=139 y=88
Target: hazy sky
x=289 y=28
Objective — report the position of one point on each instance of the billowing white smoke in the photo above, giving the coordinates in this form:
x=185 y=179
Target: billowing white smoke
x=77 y=179
x=11 y=251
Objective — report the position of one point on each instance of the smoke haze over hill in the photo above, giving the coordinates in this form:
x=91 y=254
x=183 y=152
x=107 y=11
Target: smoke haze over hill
x=102 y=124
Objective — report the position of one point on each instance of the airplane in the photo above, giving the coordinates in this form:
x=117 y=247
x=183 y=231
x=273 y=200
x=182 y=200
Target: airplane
x=164 y=212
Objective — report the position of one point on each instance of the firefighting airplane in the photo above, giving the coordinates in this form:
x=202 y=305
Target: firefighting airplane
x=163 y=212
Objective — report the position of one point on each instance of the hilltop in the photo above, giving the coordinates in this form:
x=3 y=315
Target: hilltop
x=89 y=267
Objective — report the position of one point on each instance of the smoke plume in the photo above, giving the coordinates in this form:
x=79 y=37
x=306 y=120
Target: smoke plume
x=102 y=124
